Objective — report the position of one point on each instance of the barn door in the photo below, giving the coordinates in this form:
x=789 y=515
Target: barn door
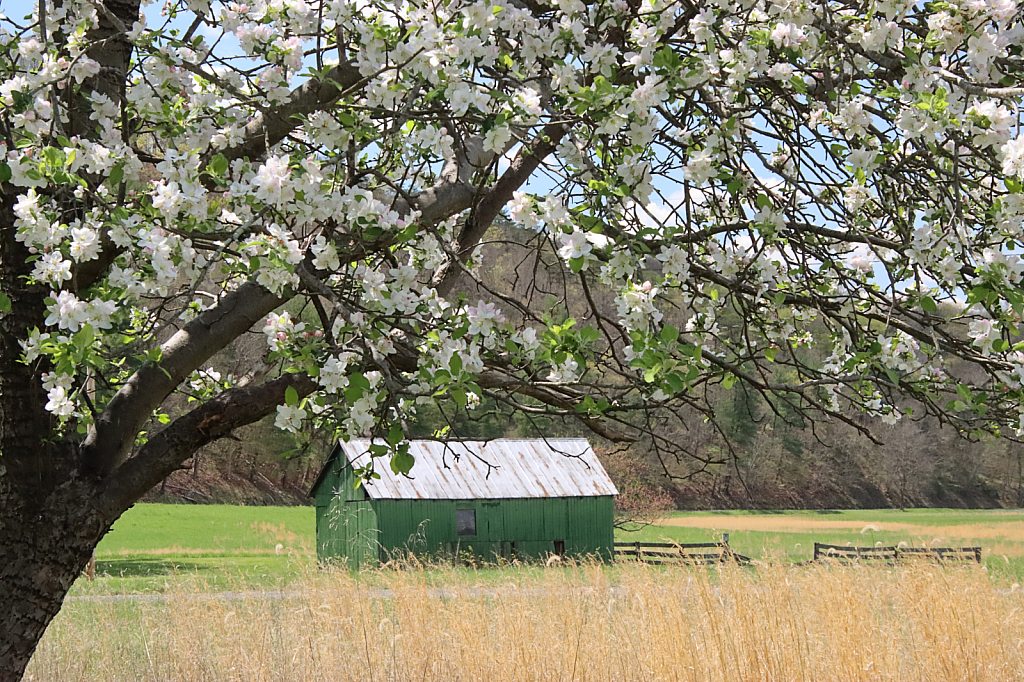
x=493 y=531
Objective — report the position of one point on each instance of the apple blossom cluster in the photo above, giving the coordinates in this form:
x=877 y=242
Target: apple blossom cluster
x=721 y=191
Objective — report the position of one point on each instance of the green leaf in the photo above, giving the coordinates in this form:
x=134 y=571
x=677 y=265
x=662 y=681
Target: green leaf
x=928 y=304
x=395 y=434
x=218 y=164
x=669 y=334
x=5 y=172
x=5 y=303
x=291 y=396
x=84 y=338
x=675 y=382
x=763 y=201
x=54 y=157
x=964 y=391
x=116 y=175
x=402 y=462
x=588 y=406
x=576 y=264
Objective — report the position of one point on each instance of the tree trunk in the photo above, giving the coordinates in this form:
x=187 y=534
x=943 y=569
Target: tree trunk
x=41 y=555
x=49 y=526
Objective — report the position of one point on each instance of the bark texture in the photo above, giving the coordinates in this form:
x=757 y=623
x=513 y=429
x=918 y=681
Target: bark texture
x=47 y=528
x=42 y=552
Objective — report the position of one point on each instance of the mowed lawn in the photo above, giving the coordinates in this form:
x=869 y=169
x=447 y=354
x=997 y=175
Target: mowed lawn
x=270 y=546
x=219 y=544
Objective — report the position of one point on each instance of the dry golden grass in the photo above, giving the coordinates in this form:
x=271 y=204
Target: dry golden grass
x=915 y=623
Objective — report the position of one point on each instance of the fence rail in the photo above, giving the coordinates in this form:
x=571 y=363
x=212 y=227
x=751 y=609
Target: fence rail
x=894 y=554
x=658 y=553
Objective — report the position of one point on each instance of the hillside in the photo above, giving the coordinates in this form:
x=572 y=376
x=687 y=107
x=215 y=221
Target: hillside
x=758 y=452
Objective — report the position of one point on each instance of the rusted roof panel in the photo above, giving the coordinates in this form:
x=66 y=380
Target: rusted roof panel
x=496 y=469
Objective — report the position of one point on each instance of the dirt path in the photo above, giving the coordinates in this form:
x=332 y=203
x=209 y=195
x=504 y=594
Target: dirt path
x=1008 y=530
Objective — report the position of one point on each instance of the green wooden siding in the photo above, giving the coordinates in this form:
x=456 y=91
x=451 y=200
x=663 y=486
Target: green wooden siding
x=346 y=522
x=592 y=527
x=363 y=531
x=423 y=527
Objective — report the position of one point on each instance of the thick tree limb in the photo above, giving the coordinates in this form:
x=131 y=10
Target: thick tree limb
x=270 y=127
x=487 y=209
x=215 y=419
x=113 y=434
x=439 y=202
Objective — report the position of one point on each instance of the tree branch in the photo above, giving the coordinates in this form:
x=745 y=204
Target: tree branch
x=214 y=419
x=271 y=126
x=113 y=434
x=487 y=209
x=495 y=381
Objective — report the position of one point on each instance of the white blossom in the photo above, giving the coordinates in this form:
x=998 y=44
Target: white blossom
x=289 y=418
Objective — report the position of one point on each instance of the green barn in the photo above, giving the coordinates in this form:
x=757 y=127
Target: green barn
x=494 y=499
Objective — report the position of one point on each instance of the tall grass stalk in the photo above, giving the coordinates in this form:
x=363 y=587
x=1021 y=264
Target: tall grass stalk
x=585 y=622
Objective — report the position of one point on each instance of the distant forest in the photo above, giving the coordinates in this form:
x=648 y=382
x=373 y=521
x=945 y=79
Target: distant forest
x=756 y=454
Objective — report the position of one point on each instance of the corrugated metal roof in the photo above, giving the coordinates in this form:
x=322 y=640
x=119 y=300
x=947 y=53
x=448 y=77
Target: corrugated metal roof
x=496 y=469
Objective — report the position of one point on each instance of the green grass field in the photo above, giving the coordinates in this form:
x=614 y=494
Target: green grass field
x=219 y=544
x=154 y=545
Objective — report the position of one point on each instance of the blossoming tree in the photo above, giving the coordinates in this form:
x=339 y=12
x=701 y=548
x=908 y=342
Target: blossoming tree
x=843 y=175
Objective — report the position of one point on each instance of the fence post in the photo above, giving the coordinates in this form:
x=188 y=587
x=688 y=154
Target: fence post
x=815 y=551
x=638 y=552
x=977 y=554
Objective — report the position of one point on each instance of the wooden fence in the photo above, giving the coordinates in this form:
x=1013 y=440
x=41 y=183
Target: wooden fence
x=699 y=553
x=895 y=554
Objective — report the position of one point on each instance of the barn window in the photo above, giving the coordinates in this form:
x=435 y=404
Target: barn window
x=465 y=521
